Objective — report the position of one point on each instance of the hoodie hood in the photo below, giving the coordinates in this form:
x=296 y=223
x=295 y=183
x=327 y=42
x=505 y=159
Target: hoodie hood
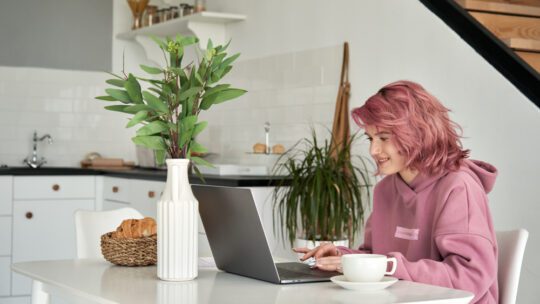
x=484 y=173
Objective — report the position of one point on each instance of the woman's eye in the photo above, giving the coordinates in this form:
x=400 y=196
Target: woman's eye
x=384 y=138
x=370 y=139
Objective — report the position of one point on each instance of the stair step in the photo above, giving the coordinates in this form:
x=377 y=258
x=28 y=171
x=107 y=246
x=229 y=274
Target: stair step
x=500 y=7
x=527 y=45
x=533 y=59
x=507 y=26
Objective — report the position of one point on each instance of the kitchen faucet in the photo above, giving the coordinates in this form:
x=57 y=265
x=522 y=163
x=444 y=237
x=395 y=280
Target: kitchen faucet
x=34 y=161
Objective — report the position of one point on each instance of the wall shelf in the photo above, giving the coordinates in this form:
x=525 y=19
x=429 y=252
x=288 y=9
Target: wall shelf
x=204 y=25
x=183 y=25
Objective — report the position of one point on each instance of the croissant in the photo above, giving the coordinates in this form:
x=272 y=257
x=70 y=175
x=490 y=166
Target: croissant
x=133 y=228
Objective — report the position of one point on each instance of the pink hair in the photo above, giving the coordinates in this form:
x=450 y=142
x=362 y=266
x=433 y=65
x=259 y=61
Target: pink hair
x=422 y=130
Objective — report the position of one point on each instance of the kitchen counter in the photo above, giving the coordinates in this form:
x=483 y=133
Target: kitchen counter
x=147 y=174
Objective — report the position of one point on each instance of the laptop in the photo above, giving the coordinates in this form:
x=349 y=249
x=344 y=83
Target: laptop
x=237 y=240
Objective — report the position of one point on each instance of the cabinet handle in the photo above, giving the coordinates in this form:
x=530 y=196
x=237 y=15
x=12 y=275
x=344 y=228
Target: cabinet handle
x=151 y=194
x=29 y=215
x=56 y=187
x=115 y=189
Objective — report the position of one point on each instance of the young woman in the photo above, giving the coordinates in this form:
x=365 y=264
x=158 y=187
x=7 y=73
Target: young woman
x=430 y=211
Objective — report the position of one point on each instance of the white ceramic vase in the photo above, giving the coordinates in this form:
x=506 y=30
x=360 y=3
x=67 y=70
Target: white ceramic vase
x=177 y=231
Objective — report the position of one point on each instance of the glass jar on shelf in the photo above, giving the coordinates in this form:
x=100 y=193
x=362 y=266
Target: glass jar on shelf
x=164 y=15
x=186 y=9
x=199 y=6
x=173 y=12
x=150 y=16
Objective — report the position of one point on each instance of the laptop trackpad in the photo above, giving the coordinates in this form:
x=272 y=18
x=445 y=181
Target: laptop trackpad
x=294 y=271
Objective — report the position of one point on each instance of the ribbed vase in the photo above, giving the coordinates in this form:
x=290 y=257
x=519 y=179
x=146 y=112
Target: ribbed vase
x=177 y=231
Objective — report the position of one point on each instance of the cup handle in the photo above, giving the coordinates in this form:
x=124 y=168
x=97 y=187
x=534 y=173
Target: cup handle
x=394 y=266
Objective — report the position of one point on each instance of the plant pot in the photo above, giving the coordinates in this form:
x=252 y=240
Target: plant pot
x=177 y=230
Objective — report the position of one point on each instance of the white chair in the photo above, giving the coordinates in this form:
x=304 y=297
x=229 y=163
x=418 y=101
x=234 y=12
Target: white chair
x=511 y=248
x=91 y=225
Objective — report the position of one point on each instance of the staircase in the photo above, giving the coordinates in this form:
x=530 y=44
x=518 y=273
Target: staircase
x=514 y=22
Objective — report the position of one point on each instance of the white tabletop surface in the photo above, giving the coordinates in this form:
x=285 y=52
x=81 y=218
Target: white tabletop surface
x=100 y=282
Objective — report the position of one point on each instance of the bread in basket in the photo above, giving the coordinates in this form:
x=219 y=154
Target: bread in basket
x=132 y=244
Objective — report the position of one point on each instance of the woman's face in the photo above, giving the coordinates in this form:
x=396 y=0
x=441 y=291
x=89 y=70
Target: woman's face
x=384 y=151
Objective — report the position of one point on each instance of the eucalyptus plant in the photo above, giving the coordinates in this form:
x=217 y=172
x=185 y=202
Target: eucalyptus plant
x=324 y=194
x=169 y=109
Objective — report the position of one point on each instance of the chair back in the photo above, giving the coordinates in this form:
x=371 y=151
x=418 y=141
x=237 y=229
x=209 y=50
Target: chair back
x=91 y=225
x=511 y=249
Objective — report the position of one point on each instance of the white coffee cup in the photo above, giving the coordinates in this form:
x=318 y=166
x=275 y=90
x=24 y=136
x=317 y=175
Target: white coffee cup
x=366 y=267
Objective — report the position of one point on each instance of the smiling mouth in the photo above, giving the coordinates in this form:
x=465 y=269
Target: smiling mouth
x=381 y=161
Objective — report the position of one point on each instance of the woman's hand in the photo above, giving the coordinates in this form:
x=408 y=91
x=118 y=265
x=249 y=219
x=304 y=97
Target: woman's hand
x=327 y=256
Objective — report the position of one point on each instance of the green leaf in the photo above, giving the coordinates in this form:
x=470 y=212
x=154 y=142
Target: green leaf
x=155 y=103
x=106 y=98
x=219 y=87
x=117 y=108
x=189 y=40
x=199 y=161
x=189 y=93
x=152 y=142
x=152 y=128
x=228 y=94
x=199 y=128
x=116 y=82
x=209 y=45
x=133 y=89
x=137 y=118
x=220 y=96
x=197 y=147
x=151 y=70
x=160 y=157
x=187 y=125
x=119 y=95
x=136 y=108
x=229 y=60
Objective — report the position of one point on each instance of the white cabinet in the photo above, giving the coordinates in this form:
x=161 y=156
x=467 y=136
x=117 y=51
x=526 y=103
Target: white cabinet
x=5 y=235
x=43 y=219
x=145 y=194
x=5 y=276
x=6 y=186
x=115 y=193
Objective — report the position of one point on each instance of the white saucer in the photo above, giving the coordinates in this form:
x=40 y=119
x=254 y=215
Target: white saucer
x=363 y=286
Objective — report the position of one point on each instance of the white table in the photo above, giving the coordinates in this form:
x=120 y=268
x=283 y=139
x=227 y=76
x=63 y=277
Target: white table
x=97 y=281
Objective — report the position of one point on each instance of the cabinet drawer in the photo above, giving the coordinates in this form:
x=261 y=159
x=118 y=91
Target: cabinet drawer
x=53 y=187
x=6 y=187
x=145 y=195
x=5 y=235
x=111 y=205
x=116 y=189
x=43 y=230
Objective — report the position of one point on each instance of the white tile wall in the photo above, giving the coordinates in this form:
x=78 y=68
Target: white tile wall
x=292 y=91
x=60 y=103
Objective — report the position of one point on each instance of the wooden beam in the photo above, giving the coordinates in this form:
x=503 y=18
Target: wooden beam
x=500 y=7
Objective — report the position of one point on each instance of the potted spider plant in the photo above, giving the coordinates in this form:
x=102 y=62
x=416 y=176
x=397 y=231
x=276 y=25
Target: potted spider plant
x=324 y=196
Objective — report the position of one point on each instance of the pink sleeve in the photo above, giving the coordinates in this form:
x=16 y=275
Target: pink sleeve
x=464 y=241
x=365 y=247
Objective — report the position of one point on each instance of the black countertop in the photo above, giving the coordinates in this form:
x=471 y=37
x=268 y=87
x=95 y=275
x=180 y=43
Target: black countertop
x=148 y=174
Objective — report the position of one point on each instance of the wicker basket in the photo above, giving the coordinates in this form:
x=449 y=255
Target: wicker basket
x=129 y=252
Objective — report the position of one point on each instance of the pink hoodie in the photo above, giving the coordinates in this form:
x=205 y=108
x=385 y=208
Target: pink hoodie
x=439 y=228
